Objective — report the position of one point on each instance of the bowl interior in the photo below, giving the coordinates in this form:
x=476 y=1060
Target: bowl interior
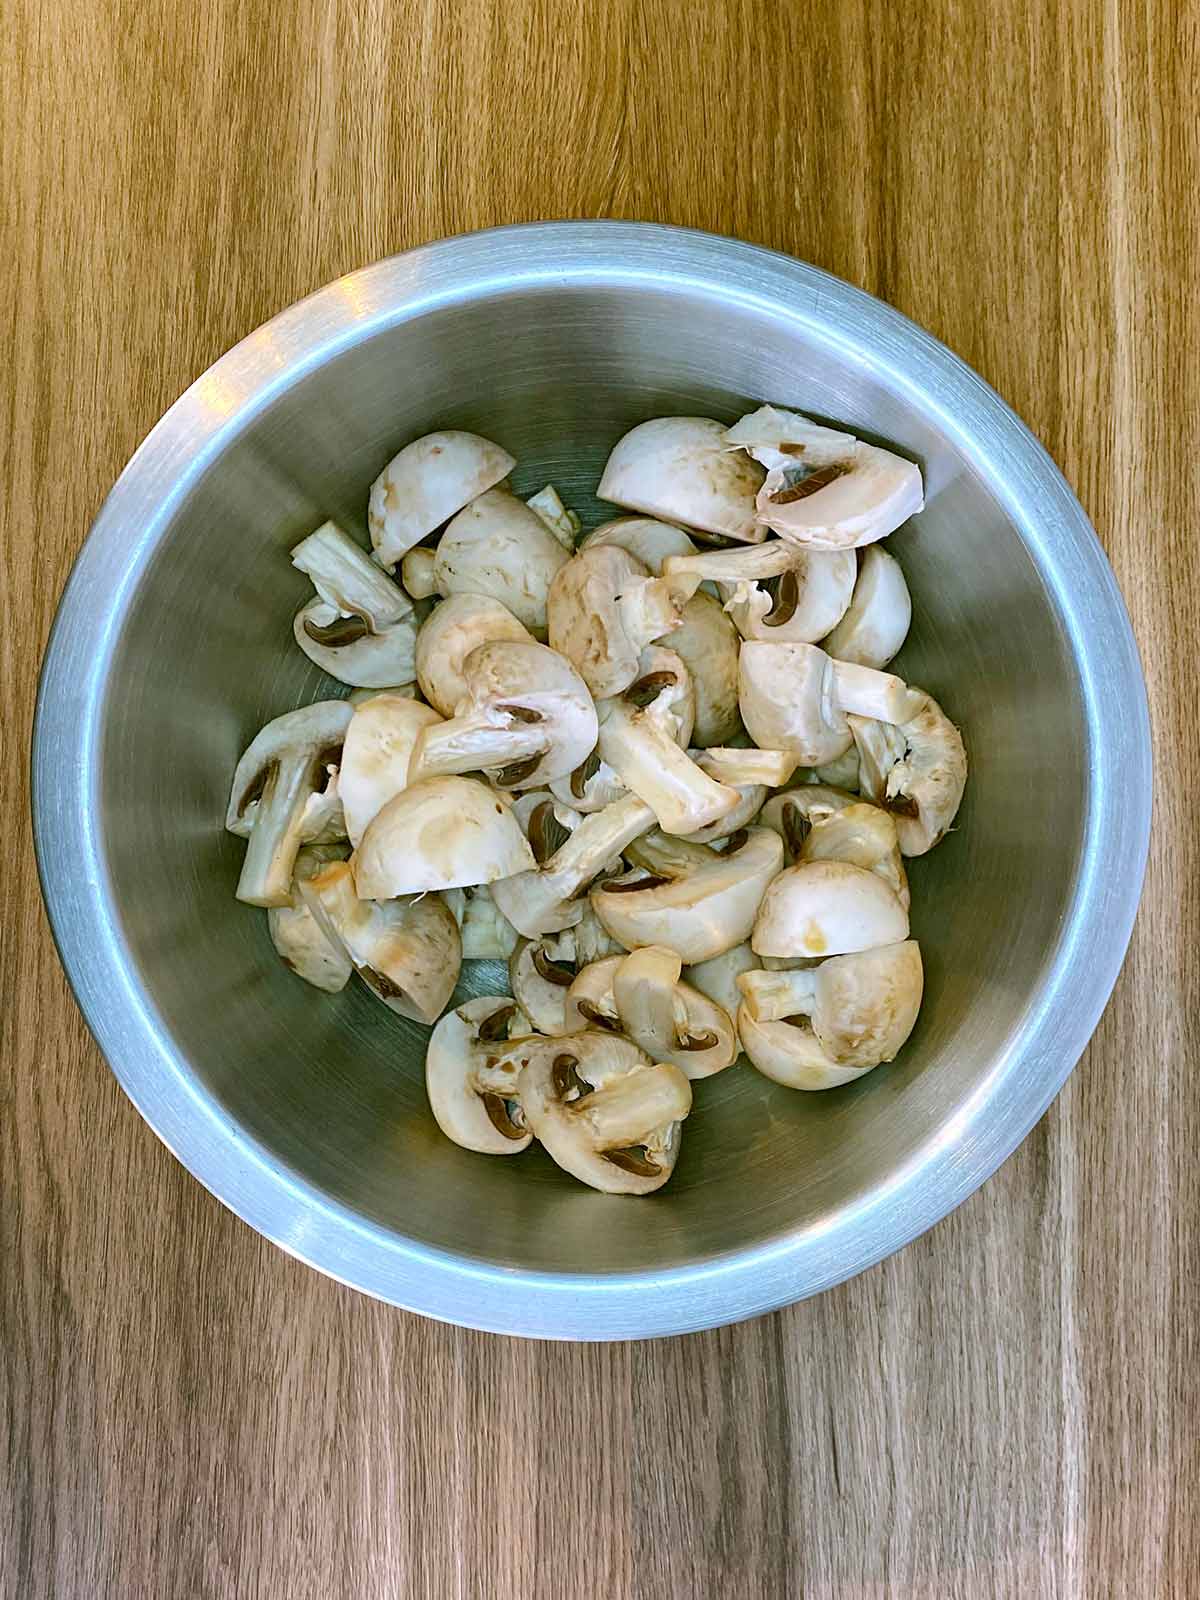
x=333 y=1087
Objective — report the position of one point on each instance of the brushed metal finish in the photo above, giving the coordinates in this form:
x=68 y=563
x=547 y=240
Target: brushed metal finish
x=173 y=643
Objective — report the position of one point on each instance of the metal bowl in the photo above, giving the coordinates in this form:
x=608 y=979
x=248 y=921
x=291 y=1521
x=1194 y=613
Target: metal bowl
x=307 y=1114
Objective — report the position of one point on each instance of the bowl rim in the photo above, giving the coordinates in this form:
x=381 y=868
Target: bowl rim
x=944 y=1169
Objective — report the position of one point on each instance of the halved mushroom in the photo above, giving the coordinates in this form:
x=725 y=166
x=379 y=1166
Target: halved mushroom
x=563 y=524
x=776 y=590
x=543 y=900
x=718 y=977
x=788 y=696
x=487 y=934
x=301 y=943
x=360 y=628
x=641 y=996
x=449 y=634
x=824 y=1025
x=693 y=899
x=604 y=1113
x=527 y=717
x=377 y=754
x=471 y=1078
x=826 y=488
x=418 y=573
x=442 y=833
x=284 y=767
x=877 y=621
x=827 y=908
x=680 y=468
x=497 y=546
x=707 y=642
x=407 y=952
x=426 y=484
x=738 y=768
x=917 y=771
x=603 y=609
x=646 y=538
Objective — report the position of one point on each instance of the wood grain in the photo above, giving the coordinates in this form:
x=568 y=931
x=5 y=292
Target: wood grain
x=1007 y=1408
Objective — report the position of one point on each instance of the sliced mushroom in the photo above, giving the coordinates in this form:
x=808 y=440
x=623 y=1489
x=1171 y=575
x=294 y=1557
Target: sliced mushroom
x=283 y=768
x=418 y=573
x=361 y=628
x=497 y=546
x=788 y=696
x=487 y=934
x=603 y=609
x=451 y=632
x=680 y=468
x=877 y=620
x=407 y=952
x=652 y=542
x=377 y=754
x=769 y=769
x=641 y=996
x=917 y=771
x=301 y=943
x=526 y=718
x=697 y=904
x=776 y=590
x=541 y=972
x=718 y=978
x=604 y=1113
x=442 y=833
x=471 y=1078
x=827 y=908
x=543 y=900
x=426 y=484
x=563 y=524
x=825 y=488
x=707 y=642
x=827 y=1024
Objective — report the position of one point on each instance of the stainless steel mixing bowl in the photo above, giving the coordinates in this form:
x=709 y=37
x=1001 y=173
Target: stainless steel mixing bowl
x=307 y=1114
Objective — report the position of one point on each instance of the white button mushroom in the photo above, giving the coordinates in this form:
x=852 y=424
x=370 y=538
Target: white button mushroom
x=526 y=718
x=426 y=484
x=646 y=538
x=793 y=813
x=563 y=524
x=827 y=908
x=830 y=1023
x=471 y=1078
x=862 y=834
x=449 y=634
x=707 y=642
x=604 y=1113
x=826 y=488
x=603 y=609
x=541 y=972
x=917 y=771
x=360 y=628
x=641 y=996
x=376 y=756
x=877 y=620
x=300 y=941
x=418 y=573
x=407 y=952
x=788 y=698
x=444 y=833
x=718 y=977
x=284 y=767
x=497 y=546
x=775 y=591
x=680 y=468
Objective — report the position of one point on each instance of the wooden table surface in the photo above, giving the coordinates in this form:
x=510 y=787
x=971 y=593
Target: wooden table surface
x=1007 y=1408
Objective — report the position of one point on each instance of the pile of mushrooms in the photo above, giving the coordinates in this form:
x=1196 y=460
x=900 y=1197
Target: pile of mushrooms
x=660 y=771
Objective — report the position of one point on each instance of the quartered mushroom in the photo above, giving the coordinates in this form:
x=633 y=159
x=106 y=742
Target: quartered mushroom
x=426 y=484
x=750 y=802
x=361 y=628
x=604 y=608
x=300 y=941
x=718 y=977
x=775 y=590
x=877 y=619
x=827 y=1024
x=863 y=834
x=707 y=643
x=418 y=573
x=695 y=900
x=680 y=469
x=651 y=541
x=441 y=833
x=471 y=1078
x=407 y=952
x=563 y=524
x=526 y=718
x=487 y=934
x=603 y=1111
x=823 y=487
x=497 y=546
x=377 y=754
x=827 y=908
x=793 y=813
x=277 y=796
x=788 y=694
x=453 y=629
x=641 y=996
x=752 y=768
x=542 y=970
x=917 y=771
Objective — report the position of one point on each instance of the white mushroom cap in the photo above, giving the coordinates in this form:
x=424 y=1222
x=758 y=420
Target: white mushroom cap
x=718 y=977
x=407 y=952
x=603 y=1112
x=376 y=755
x=864 y=835
x=526 y=718
x=360 y=628
x=917 y=771
x=826 y=488
x=790 y=1055
x=776 y=590
x=827 y=908
x=449 y=634
x=707 y=642
x=418 y=573
x=768 y=769
x=877 y=620
x=284 y=766
x=563 y=524
x=679 y=468
x=788 y=698
x=443 y=833
x=699 y=906
x=301 y=943
x=471 y=1079
x=646 y=538
x=603 y=609
x=425 y=485
x=666 y=1018
x=497 y=546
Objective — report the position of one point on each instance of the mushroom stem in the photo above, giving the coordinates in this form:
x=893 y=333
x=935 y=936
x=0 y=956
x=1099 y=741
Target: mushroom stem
x=644 y=990
x=488 y=738
x=869 y=693
x=621 y=1111
x=739 y=768
x=648 y=761
x=346 y=578
x=773 y=996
